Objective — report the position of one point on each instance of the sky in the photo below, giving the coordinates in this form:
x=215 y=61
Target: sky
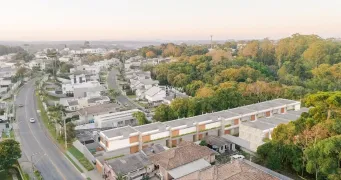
x=145 y=20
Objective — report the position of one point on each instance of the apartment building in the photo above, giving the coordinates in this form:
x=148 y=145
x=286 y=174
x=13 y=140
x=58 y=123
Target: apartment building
x=220 y=123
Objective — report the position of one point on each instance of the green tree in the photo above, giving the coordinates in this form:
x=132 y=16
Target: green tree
x=140 y=117
x=164 y=113
x=9 y=153
x=112 y=93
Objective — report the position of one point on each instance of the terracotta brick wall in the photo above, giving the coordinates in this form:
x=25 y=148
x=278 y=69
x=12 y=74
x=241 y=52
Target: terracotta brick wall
x=134 y=149
x=133 y=139
x=267 y=114
x=236 y=122
x=146 y=138
x=175 y=133
x=202 y=127
x=253 y=117
x=227 y=132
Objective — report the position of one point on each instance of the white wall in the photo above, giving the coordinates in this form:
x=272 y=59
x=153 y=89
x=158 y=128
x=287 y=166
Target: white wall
x=159 y=135
x=213 y=125
x=187 y=130
x=117 y=144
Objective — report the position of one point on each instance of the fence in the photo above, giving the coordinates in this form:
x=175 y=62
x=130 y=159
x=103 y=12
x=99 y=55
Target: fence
x=78 y=145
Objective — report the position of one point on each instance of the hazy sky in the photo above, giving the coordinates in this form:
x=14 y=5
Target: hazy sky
x=166 y=19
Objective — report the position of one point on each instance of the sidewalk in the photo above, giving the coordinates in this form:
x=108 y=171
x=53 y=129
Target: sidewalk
x=93 y=174
x=24 y=162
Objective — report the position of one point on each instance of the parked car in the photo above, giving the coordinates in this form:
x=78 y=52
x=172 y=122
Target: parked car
x=32 y=120
x=237 y=156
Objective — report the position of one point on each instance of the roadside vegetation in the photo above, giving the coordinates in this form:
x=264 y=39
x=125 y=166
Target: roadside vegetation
x=80 y=157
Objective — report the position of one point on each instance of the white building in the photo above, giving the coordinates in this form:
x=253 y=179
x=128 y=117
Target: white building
x=76 y=104
x=90 y=69
x=37 y=63
x=64 y=59
x=155 y=94
x=117 y=119
x=86 y=89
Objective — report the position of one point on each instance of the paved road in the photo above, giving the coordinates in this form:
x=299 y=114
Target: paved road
x=112 y=84
x=48 y=159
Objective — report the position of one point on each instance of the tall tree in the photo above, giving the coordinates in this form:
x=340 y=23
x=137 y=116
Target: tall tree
x=9 y=153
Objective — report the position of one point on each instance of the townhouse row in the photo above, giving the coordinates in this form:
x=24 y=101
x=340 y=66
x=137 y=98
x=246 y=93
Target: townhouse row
x=127 y=140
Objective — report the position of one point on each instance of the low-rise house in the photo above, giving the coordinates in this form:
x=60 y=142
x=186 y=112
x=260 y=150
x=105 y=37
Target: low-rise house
x=87 y=114
x=155 y=94
x=236 y=170
x=90 y=69
x=182 y=160
x=37 y=63
x=219 y=144
x=86 y=89
x=76 y=104
x=116 y=119
x=64 y=59
x=133 y=166
x=143 y=84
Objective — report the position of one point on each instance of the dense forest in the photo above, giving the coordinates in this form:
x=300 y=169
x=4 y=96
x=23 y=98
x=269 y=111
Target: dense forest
x=312 y=144
x=301 y=67
x=253 y=71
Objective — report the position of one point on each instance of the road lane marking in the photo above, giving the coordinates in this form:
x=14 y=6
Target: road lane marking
x=59 y=172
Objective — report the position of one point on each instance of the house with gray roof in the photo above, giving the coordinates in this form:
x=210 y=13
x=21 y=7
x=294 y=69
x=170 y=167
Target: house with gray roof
x=133 y=166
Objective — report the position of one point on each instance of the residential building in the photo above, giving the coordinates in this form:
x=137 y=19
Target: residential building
x=86 y=115
x=182 y=160
x=133 y=166
x=86 y=89
x=64 y=59
x=235 y=170
x=123 y=140
x=76 y=104
x=90 y=69
x=116 y=119
x=154 y=133
x=219 y=144
x=222 y=123
x=155 y=94
x=257 y=131
x=143 y=84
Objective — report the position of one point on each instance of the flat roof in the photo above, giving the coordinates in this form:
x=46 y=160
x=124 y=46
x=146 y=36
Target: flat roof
x=241 y=110
x=150 y=127
x=237 y=140
x=98 y=109
x=271 y=122
x=123 y=131
x=129 y=163
x=259 y=125
x=188 y=168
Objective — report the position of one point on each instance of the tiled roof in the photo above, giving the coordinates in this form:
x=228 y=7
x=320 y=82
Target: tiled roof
x=236 y=170
x=185 y=153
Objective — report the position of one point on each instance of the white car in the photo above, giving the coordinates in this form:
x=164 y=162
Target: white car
x=32 y=120
x=237 y=156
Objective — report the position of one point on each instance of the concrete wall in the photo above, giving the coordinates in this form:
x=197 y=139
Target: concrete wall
x=78 y=145
x=159 y=135
x=187 y=130
x=117 y=144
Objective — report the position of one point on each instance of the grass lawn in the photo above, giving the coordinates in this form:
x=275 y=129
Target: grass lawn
x=4 y=175
x=132 y=96
x=80 y=157
x=79 y=169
